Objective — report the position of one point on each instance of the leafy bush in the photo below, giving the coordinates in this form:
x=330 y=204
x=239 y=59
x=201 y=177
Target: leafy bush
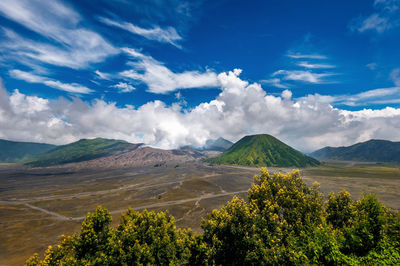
x=283 y=222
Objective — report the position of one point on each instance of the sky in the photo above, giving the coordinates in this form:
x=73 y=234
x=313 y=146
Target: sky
x=170 y=73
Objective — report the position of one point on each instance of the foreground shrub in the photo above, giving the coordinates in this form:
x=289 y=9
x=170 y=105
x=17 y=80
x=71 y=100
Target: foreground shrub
x=283 y=222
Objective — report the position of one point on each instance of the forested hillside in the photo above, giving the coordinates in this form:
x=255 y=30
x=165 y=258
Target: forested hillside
x=14 y=151
x=263 y=150
x=82 y=150
x=369 y=151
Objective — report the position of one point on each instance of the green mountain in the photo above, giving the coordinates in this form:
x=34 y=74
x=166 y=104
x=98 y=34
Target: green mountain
x=14 y=151
x=263 y=150
x=369 y=151
x=82 y=150
x=219 y=144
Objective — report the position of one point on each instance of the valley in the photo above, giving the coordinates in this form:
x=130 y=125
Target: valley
x=37 y=205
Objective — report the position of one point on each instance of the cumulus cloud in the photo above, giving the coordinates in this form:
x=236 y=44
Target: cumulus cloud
x=167 y=35
x=71 y=45
x=286 y=94
x=241 y=108
x=160 y=79
x=33 y=78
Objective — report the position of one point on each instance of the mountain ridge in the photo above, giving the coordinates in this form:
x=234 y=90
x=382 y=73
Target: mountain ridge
x=15 y=151
x=219 y=144
x=374 y=150
x=263 y=150
x=81 y=150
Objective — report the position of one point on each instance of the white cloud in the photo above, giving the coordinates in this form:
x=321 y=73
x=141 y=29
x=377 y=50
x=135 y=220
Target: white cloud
x=75 y=47
x=160 y=79
x=395 y=76
x=33 y=78
x=314 y=71
x=124 y=87
x=301 y=75
x=376 y=96
x=240 y=109
x=286 y=94
x=276 y=82
x=375 y=22
x=314 y=66
x=385 y=18
x=306 y=56
x=102 y=75
x=167 y=35
x=372 y=66
x=387 y=5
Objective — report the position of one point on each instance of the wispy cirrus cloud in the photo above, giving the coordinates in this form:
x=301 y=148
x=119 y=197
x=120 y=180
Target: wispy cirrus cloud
x=68 y=44
x=395 y=76
x=276 y=82
x=386 y=17
x=314 y=65
x=33 y=78
x=304 y=67
x=166 y=35
x=305 y=56
x=303 y=76
x=102 y=75
x=160 y=79
x=372 y=66
x=376 y=96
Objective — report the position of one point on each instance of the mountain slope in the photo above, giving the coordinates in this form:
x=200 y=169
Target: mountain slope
x=142 y=156
x=219 y=144
x=369 y=151
x=82 y=150
x=14 y=151
x=263 y=150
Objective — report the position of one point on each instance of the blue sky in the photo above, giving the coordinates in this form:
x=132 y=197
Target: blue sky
x=131 y=58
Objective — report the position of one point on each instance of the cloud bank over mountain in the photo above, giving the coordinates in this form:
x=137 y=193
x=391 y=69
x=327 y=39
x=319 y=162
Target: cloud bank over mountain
x=241 y=108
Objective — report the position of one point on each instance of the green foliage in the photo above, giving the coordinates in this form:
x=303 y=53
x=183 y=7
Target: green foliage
x=142 y=238
x=287 y=223
x=229 y=232
x=338 y=209
x=12 y=151
x=95 y=235
x=82 y=150
x=366 y=225
x=283 y=222
x=369 y=151
x=263 y=150
x=149 y=238
x=272 y=228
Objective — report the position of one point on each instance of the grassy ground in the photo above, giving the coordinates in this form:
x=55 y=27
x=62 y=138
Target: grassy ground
x=355 y=170
x=38 y=205
x=358 y=178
